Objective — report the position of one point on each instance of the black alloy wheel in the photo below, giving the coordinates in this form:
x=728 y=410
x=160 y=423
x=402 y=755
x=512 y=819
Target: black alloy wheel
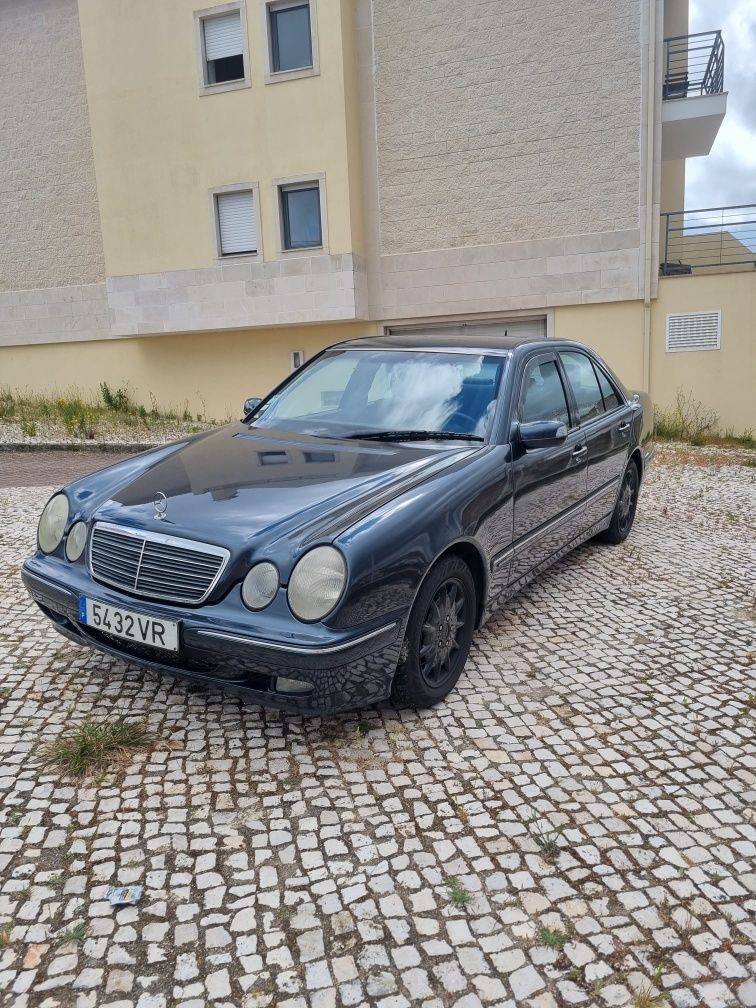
x=439 y=635
x=442 y=633
x=623 y=515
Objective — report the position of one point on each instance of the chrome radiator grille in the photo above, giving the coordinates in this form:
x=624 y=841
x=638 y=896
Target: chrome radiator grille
x=155 y=566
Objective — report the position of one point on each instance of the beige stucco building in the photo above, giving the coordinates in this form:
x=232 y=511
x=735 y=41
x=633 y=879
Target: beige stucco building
x=193 y=199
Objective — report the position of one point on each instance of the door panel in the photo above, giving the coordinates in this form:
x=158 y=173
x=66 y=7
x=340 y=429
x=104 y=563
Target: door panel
x=606 y=425
x=549 y=484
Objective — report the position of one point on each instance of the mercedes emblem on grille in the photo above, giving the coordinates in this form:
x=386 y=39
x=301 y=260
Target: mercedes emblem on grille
x=160 y=504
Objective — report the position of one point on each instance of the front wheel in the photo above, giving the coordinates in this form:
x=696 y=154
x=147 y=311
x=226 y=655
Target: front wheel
x=438 y=638
x=623 y=515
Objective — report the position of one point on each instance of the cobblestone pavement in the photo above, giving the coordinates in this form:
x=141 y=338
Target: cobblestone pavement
x=575 y=826
x=49 y=468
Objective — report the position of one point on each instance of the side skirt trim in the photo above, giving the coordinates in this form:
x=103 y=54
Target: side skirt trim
x=511 y=551
x=493 y=605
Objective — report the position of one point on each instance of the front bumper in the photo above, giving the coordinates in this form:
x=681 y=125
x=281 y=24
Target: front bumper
x=216 y=649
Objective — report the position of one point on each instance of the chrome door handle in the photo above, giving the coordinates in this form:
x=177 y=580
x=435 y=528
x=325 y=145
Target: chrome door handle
x=580 y=452
x=623 y=428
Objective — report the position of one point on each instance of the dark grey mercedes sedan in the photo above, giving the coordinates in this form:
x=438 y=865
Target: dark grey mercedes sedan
x=340 y=544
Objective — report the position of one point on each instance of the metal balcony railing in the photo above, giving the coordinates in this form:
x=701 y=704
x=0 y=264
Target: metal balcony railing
x=705 y=239
x=693 y=65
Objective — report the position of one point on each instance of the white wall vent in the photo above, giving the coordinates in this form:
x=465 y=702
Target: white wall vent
x=694 y=331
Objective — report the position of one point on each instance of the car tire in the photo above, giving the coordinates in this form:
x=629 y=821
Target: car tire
x=438 y=638
x=623 y=515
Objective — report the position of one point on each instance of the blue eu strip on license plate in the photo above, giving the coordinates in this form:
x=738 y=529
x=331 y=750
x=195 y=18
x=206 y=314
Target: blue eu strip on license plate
x=82 y=610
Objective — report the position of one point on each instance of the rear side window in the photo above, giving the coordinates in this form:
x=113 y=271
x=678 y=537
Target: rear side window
x=543 y=395
x=585 y=386
x=611 y=398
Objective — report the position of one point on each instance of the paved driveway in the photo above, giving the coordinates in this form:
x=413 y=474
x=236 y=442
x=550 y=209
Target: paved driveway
x=575 y=826
x=49 y=468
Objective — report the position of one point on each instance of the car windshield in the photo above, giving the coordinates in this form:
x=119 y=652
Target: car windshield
x=388 y=393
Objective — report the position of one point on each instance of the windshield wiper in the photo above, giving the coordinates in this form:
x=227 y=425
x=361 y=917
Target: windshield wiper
x=413 y=435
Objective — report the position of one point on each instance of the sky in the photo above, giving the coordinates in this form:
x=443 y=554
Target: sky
x=727 y=176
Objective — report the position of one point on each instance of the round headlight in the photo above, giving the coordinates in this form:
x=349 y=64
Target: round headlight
x=76 y=540
x=316 y=583
x=52 y=524
x=260 y=585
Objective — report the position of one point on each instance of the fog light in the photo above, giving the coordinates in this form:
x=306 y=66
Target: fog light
x=284 y=685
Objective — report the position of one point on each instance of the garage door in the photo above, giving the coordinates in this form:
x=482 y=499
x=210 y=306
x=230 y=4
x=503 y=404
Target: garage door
x=521 y=328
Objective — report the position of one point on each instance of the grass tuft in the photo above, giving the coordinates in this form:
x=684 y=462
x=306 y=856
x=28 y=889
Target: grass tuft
x=648 y=997
x=458 y=895
x=97 y=746
x=116 y=400
x=72 y=935
x=547 y=840
x=553 y=938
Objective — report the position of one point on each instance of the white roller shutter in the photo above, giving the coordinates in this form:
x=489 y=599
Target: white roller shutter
x=223 y=36
x=693 y=331
x=521 y=329
x=237 y=225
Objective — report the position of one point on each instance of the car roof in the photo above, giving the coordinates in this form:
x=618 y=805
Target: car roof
x=440 y=340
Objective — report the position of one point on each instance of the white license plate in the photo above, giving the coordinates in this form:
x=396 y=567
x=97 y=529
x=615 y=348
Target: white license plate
x=129 y=625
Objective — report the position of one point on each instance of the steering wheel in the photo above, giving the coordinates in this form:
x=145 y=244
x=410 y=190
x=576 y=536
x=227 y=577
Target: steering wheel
x=461 y=423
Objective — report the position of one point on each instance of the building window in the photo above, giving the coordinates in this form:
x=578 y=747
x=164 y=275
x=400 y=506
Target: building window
x=301 y=224
x=222 y=45
x=236 y=220
x=224 y=53
x=290 y=33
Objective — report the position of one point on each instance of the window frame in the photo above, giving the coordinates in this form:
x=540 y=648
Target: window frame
x=207 y=13
x=272 y=76
x=301 y=182
x=230 y=257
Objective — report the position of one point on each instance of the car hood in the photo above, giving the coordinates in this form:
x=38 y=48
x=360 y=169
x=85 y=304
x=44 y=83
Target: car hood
x=237 y=484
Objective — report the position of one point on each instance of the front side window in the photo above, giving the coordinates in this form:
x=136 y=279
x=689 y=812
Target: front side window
x=372 y=391
x=300 y=216
x=237 y=222
x=223 y=48
x=543 y=396
x=585 y=386
x=290 y=36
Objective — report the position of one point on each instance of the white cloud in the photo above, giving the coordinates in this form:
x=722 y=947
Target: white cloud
x=727 y=176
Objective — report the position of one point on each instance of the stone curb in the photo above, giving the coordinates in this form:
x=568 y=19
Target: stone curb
x=89 y=446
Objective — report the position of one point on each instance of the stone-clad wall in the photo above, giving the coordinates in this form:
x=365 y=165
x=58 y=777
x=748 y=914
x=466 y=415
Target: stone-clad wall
x=49 y=220
x=505 y=120
x=235 y=295
x=503 y=168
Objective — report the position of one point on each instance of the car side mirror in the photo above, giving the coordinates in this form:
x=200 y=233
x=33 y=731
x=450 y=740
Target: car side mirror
x=250 y=404
x=542 y=433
